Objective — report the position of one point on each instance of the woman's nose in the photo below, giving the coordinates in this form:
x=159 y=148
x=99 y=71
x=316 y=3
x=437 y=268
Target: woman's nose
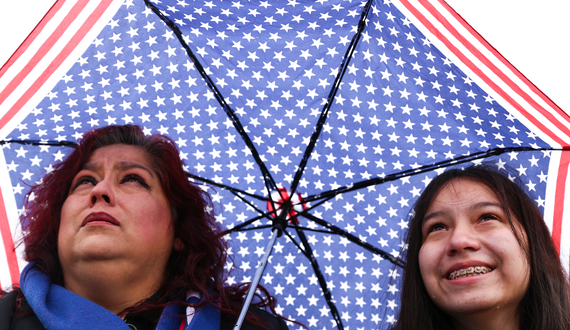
x=463 y=238
x=102 y=192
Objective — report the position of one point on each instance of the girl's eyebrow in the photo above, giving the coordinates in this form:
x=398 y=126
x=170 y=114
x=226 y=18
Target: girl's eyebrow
x=433 y=215
x=475 y=206
x=485 y=204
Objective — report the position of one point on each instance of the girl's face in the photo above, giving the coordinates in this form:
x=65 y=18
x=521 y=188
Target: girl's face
x=470 y=260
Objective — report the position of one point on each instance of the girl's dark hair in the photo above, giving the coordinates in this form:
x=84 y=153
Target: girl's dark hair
x=199 y=266
x=546 y=304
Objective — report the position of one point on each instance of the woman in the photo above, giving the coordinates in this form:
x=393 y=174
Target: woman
x=118 y=238
x=480 y=257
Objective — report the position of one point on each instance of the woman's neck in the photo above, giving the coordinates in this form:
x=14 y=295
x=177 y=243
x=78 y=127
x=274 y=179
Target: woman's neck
x=111 y=287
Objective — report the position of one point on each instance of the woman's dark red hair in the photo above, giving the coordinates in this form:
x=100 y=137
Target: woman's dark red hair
x=199 y=266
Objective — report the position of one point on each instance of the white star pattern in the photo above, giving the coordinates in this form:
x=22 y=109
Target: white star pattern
x=401 y=105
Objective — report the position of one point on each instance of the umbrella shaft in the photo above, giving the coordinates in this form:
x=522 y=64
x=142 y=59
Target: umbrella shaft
x=256 y=279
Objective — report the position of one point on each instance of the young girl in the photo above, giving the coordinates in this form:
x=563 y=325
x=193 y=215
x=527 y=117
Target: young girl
x=481 y=257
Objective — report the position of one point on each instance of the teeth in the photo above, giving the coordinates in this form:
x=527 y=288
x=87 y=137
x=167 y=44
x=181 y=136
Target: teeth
x=470 y=271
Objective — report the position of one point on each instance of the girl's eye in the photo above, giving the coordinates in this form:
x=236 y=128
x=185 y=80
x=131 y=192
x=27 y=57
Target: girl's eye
x=436 y=227
x=488 y=217
x=136 y=179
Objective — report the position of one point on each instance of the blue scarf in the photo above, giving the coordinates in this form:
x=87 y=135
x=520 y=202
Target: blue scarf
x=57 y=308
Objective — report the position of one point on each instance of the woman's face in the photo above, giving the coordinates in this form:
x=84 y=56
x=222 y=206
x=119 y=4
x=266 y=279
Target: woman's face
x=116 y=211
x=465 y=232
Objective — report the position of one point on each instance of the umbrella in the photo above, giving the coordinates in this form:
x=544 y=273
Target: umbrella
x=349 y=107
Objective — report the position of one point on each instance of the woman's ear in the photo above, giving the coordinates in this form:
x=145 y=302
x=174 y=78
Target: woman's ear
x=178 y=244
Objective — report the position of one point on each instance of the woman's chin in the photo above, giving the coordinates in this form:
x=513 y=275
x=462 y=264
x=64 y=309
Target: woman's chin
x=96 y=248
x=99 y=255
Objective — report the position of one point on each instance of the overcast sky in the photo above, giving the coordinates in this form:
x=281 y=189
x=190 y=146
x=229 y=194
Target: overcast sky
x=533 y=36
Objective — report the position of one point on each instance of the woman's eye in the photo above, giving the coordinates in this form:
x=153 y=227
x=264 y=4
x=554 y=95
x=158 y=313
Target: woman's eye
x=136 y=179
x=83 y=181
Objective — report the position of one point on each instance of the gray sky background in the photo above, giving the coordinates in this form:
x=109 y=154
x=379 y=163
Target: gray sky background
x=533 y=36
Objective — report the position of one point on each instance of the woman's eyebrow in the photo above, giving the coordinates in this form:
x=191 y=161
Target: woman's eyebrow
x=121 y=166
x=126 y=165
x=91 y=166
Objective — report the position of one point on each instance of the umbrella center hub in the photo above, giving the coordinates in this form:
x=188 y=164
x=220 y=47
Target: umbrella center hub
x=282 y=201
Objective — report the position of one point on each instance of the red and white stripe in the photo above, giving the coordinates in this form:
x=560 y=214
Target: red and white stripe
x=47 y=54
x=69 y=27
x=52 y=48
x=460 y=43
x=10 y=231
x=557 y=220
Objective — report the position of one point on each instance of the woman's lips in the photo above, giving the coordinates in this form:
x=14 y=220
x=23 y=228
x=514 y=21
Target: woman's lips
x=99 y=218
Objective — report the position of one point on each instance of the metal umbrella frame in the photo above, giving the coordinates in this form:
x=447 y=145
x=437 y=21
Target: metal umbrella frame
x=282 y=215
x=281 y=211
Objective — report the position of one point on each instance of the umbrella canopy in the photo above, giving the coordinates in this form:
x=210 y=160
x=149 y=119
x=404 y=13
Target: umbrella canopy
x=351 y=107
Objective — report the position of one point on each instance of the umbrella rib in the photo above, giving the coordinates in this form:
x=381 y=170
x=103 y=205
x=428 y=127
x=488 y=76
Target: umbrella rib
x=317 y=230
x=268 y=215
x=330 y=98
x=41 y=143
x=240 y=227
x=247 y=229
x=269 y=226
x=229 y=112
x=426 y=168
x=396 y=261
x=235 y=191
x=310 y=255
x=295 y=242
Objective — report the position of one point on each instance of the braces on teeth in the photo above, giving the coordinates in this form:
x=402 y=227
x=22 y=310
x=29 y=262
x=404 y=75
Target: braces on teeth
x=471 y=271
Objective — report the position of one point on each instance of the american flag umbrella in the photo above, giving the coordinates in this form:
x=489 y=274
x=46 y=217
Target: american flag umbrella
x=330 y=115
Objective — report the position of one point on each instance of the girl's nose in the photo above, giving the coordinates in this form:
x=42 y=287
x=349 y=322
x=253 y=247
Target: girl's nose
x=463 y=238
